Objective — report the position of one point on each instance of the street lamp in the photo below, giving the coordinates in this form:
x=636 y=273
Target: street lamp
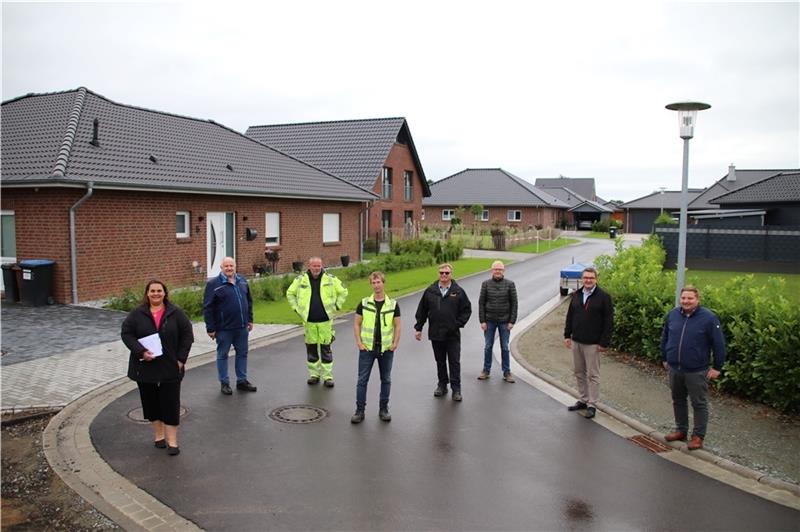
x=662 y=189
x=687 y=116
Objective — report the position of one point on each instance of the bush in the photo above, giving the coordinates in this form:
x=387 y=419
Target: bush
x=665 y=219
x=600 y=226
x=270 y=288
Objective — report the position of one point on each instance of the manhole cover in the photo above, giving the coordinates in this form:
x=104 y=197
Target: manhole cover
x=137 y=415
x=646 y=442
x=298 y=414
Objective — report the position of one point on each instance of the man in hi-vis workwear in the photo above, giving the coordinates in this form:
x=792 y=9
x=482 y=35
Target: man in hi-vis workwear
x=315 y=296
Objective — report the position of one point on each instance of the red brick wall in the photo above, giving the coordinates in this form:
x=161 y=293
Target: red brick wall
x=531 y=216
x=125 y=238
x=399 y=160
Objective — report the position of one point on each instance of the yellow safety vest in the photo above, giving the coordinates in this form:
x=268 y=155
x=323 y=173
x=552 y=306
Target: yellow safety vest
x=369 y=314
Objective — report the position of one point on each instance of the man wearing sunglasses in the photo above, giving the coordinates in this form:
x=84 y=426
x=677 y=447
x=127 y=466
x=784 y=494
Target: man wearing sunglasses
x=446 y=308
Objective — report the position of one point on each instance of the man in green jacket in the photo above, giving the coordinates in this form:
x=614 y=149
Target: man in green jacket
x=315 y=296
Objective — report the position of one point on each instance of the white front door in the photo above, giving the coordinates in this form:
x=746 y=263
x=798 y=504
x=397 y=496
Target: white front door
x=220 y=240
x=8 y=240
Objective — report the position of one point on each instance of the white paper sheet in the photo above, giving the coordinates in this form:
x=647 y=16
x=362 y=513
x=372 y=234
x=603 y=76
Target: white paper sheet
x=153 y=344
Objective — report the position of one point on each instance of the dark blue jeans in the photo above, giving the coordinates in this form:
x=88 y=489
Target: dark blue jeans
x=238 y=339
x=488 y=335
x=365 y=362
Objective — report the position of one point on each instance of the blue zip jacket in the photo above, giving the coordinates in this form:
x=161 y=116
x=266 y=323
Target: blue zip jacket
x=227 y=305
x=687 y=341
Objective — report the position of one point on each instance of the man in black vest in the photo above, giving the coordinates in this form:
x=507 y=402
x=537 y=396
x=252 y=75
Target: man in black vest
x=497 y=310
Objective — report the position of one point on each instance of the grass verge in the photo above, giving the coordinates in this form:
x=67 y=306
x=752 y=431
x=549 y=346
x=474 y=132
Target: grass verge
x=544 y=245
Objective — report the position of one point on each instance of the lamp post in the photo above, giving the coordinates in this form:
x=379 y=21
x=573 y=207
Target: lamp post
x=662 y=189
x=687 y=116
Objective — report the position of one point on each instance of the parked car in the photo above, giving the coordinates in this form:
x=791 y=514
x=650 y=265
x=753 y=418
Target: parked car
x=585 y=225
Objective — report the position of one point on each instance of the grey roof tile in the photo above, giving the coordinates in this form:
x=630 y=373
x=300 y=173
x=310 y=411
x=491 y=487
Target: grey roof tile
x=189 y=154
x=671 y=200
x=722 y=186
x=489 y=187
x=779 y=188
x=353 y=149
x=582 y=185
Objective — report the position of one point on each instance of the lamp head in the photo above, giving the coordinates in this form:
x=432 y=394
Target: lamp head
x=687 y=115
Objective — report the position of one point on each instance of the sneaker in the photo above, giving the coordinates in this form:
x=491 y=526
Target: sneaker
x=329 y=383
x=440 y=391
x=590 y=412
x=676 y=435
x=457 y=396
x=508 y=377
x=580 y=405
x=357 y=418
x=384 y=414
x=483 y=376
x=226 y=389
x=313 y=380
x=245 y=386
x=173 y=451
x=695 y=443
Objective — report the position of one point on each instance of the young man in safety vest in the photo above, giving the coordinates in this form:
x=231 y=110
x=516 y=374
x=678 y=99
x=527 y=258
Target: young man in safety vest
x=377 y=330
x=315 y=296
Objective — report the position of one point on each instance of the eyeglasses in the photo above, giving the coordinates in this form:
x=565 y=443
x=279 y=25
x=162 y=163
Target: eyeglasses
x=588 y=278
x=444 y=273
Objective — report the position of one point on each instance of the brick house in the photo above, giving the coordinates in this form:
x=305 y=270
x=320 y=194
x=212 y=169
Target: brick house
x=507 y=200
x=376 y=154
x=117 y=194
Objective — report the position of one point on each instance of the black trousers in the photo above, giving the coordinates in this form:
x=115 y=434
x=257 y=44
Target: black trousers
x=448 y=353
x=161 y=401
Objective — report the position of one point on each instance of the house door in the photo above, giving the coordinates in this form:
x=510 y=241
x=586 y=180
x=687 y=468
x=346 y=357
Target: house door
x=8 y=240
x=220 y=240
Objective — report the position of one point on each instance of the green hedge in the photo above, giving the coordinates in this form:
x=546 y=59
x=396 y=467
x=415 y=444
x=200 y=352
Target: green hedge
x=762 y=328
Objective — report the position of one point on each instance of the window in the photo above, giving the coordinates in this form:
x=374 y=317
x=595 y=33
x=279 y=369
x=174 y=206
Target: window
x=387 y=184
x=8 y=240
x=408 y=217
x=408 y=185
x=422 y=215
x=448 y=214
x=514 y=216
x=330 y=227
x=272 y=233
x=182 y=224
x=483 y=216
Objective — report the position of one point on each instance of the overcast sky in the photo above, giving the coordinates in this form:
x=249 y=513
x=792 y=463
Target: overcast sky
x=538 y=89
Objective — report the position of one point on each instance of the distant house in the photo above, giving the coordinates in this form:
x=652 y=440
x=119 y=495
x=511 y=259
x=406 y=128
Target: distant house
x=581 y=185
x=507 y=200
x=375 y=154
x=642 y=212
x=580 y=209
x=117 y=194
x=777 y=196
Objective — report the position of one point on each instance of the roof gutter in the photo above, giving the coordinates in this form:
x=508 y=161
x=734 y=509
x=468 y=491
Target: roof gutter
x=73 y=245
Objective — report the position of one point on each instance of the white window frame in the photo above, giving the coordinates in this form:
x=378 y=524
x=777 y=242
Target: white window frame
x=483 y=216
x=513 y=215
x=386 y=183
x=272 y=229
x=331 y=227
x=448 y=214
x=408 y=185
x=187 y=224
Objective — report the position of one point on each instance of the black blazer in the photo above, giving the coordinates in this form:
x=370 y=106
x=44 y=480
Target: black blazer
x=176 y=340
x=593 y=322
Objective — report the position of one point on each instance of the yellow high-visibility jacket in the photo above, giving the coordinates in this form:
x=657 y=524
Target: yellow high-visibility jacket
x=332 y=292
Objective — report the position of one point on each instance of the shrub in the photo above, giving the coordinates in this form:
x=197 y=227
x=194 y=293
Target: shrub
x=371 y=245
x=665 y=218
x=270 y=288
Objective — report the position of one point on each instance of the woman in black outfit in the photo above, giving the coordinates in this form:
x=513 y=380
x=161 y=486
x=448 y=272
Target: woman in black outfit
x=159 y=376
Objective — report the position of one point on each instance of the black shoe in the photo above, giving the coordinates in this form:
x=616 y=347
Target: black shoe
x=161 y=444
x=226 y=389
x=329 y=383
x=580 y=405
x=172 y=451
x=440 y=391
x=313 y=380
x=457 y=396
x=590 y=412
x=245 y=386
x=357 y=418
x=384 y=414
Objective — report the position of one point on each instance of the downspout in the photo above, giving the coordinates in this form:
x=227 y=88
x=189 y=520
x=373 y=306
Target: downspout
x=73 y=245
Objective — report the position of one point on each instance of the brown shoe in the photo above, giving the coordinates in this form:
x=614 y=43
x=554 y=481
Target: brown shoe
x=483 y=376
x=508 y=377
x=676 y=435
x=695 y=443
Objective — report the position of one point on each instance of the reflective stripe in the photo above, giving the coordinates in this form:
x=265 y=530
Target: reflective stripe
x=386 y=322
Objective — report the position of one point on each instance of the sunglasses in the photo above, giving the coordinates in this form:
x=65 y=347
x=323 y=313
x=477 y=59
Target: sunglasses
x=444 y=273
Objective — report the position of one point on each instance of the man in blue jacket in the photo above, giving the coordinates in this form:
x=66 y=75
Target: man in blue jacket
x=690 y=333
x=228 y=313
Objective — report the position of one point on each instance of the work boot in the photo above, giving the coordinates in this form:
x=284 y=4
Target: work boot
x=695 y=443
x=357 y=418
x=483 y=376
x=440 y=390
x=329 y=383
x=580 y=405
x=384 y=414
x=508 y=377
x=314 y=379
x=676 y=435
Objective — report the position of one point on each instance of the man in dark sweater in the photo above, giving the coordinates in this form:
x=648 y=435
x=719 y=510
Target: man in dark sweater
x=497 y=310
x=589 y=324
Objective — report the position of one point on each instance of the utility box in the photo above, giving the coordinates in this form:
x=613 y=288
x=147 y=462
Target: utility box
x=36 y=287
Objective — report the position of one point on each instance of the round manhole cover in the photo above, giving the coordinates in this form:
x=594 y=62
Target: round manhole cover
x=137 y=414
x=298 y=414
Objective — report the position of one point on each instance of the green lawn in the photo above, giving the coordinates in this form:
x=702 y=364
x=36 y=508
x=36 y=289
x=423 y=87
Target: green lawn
x=593 y=234
x=702 y=279
x=544 y=245
x=397 y=284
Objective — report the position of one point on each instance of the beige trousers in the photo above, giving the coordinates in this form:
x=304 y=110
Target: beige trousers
x=586 y=363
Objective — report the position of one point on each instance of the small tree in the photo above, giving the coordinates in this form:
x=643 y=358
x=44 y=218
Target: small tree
x=665 y=218
x=477 y=212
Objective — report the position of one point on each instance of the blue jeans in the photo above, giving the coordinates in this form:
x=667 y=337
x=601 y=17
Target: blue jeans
x=365 y=362
x=238 y=339
x=488 y=335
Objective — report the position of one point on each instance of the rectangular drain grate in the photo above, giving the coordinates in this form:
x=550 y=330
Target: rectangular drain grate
x=654 y=446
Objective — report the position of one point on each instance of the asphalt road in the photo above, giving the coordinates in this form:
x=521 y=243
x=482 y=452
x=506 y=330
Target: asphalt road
x=507 y=458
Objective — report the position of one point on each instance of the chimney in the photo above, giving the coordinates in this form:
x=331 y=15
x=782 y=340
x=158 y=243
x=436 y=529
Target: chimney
x=731 y=178
x=95 y=133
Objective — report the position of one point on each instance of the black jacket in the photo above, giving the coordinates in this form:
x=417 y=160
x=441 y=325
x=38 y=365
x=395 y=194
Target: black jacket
x=176 y=340
x=498 y=301
x=593 y=322
x=445 y=315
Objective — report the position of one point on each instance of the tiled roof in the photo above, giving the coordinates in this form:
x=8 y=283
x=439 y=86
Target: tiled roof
x=671 y=200
x=590 y=206
x=47 y=138
x=780 y=188
x=355 y=150
x=489 y=187
x=582 y=185
x=743 y=178
x=567 y=195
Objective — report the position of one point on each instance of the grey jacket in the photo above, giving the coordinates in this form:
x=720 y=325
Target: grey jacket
x=498 y=301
